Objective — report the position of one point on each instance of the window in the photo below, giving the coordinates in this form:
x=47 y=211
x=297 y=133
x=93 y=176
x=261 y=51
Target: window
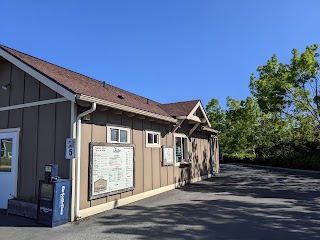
x=152 y=139
x=118 y=134
x=181 y=149
x=6 y=155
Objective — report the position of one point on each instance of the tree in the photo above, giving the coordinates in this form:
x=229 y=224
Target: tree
x=290 y=90
x=238 y=125
x=282 y=115
x=216 y=115
x=288 y=93
x=242 y=125
x=275 y=135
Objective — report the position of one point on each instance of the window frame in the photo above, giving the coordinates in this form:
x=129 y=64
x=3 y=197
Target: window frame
x=153 y=132
x=119 y=128
x=185 y=151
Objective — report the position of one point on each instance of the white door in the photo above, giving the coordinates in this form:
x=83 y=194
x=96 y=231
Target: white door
x=8 y=166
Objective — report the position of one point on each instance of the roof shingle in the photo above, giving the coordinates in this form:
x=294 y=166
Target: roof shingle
x=80 y=84
x=179 y=108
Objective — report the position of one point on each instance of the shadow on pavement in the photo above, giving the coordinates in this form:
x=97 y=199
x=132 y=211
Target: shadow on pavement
x=257 y=204
x=8 y=220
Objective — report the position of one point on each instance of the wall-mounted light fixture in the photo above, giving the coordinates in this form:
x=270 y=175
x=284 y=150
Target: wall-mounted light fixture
x=5 y=87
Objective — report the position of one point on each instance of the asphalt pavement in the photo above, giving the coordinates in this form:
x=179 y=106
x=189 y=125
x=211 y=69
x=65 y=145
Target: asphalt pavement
x=242 y=202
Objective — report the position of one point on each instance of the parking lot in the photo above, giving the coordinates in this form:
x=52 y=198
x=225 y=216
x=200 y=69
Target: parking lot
x=239 y=203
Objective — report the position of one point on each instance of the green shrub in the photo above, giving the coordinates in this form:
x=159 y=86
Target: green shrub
x=244 y=158
x=296 y=161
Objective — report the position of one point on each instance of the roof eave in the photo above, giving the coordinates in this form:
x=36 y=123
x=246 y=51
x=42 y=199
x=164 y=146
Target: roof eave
x=209 y=129
x=41 y=77
x=122 y=107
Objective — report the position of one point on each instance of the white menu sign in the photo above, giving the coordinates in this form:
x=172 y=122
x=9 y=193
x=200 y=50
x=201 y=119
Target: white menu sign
x=112 y=169
x=167 y=156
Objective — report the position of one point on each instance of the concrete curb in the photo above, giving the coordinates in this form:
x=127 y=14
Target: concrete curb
x=276 y=168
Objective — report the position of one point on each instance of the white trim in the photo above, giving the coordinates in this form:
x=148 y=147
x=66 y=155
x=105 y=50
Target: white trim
x=194 y=118
x=37 y=75
x=205 y=128
x=125 y=108
x=72 y=170
x=157 y=145
x=8 y=130
x=124 y=201
x=199 y=105
x=182 y=117
x=17 y=163
x=78 y=160
x=123 y=128
x=33 y=104
x=16 y=132
x=181 y=135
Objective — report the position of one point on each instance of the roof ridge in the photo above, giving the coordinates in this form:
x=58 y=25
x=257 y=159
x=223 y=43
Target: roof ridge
x=196 y=100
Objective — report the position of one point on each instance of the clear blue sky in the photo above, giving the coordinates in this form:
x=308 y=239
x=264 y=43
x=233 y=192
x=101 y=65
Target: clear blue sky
x=165 y=50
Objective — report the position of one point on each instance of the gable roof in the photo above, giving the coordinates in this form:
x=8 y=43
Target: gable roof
x=179 y=108
x=83 y=85
x=73 y=85
x=186 y=110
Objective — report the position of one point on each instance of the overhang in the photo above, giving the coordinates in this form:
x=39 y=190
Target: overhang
x=124 y=108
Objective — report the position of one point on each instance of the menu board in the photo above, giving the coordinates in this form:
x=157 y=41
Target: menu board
x=167 y=156
x=111 y=169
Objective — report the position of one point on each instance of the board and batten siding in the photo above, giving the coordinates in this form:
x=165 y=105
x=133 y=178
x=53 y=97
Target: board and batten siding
x=43 y=129
x=149 y=172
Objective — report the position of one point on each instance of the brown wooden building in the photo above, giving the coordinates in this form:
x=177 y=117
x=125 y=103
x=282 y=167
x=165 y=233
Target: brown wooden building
x=41 y=105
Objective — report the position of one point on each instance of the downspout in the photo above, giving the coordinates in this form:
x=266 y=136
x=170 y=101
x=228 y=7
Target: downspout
x=212 y=154
x=78 y=158
x=215 y=148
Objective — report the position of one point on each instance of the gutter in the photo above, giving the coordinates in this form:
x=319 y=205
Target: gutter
x=78 y=158
x=209 y=129
x=125 y=108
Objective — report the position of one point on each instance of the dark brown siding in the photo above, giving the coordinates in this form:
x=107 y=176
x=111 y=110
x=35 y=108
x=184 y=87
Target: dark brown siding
x=46 y=132
x=5 y=76
x=43 y=129
x=170 y=142
x=164 y=169
x=62 y=132
x=137 y=141
x=86 y=131
x=149 y=172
